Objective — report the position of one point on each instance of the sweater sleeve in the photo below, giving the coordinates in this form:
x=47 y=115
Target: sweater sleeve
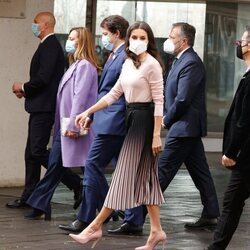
x=156 y=86
x=114 y=94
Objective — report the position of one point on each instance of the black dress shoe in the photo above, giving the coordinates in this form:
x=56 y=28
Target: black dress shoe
x=78 y=196
x=36 y=214
x=114 y=217
x=127 y=228
x=120 y=213
x=202 y=223
x=17 y=204
x=76 y=226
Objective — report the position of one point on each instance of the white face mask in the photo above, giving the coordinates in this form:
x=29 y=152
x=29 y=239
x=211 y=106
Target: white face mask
x=137 y=46
x=168 y=47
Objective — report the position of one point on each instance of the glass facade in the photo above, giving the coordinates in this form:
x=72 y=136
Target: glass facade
x=218 y=25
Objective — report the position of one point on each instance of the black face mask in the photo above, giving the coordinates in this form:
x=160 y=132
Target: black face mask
x=239 y=53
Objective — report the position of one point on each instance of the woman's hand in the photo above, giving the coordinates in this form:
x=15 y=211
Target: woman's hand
x=156 y=145
x=82 y=120
x=71 y=134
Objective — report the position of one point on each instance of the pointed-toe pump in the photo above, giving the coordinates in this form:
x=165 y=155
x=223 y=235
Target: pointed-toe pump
x=36 y=214
x=85 y=237
x=160 y=239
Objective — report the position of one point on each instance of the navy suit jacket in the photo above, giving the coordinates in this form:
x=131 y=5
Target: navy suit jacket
x=46 y=71
x=111 y=120
x=236 y=140
x=185 y=108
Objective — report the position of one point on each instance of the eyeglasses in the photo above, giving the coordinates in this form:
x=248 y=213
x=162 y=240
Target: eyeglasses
x=239 y=42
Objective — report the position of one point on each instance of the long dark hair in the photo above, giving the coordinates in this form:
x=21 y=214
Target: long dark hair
x=152 y=50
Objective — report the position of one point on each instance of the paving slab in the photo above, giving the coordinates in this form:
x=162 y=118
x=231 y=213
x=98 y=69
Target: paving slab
x=182 y=205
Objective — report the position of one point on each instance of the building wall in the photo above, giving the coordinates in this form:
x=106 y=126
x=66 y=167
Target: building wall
x=17 y=45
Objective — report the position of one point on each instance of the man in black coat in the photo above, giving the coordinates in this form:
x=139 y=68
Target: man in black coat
x=46 y=71
x=236 y=154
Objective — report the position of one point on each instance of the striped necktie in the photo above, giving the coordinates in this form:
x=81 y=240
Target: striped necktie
x=111 y=55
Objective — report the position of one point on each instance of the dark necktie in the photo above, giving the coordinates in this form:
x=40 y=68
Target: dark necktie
x=173 y=63
x=166 y=82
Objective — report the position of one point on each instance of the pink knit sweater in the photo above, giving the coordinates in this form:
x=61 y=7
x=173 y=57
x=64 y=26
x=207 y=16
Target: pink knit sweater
x=144 y=84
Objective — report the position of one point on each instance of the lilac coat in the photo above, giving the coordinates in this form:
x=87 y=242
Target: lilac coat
x=77 y=91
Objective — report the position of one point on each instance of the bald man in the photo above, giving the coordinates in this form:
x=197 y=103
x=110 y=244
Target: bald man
x=46 y=70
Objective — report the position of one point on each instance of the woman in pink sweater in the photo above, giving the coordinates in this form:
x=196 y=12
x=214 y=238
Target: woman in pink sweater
x=135 y=180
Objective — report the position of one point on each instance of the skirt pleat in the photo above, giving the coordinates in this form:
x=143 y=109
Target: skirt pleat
x=135 y=179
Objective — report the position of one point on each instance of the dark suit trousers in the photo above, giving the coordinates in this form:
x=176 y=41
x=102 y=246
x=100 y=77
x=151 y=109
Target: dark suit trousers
x=189 y=151
x=42 y=195
x=237 y=192
x=36 y=152
x=103 y=149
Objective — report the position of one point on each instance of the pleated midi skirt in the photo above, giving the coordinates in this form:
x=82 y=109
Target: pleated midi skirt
x=135 y=179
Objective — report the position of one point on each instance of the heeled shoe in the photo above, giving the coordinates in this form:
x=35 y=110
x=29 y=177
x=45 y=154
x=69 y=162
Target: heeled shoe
x=85 y=237
x=160 y=238
x=36 y=214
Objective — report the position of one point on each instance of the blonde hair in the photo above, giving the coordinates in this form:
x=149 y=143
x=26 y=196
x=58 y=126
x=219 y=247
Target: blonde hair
x=85 y=47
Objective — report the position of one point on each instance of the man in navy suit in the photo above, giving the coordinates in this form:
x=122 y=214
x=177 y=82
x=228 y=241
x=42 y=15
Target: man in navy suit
x=46 y=70
x=236 y=157
x=185 y=119
x=109 y=125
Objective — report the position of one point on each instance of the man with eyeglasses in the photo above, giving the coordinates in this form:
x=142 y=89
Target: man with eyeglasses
x=236 y=157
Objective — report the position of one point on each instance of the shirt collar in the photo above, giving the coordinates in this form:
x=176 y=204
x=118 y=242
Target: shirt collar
x=47 y=37
x=179 y=55
x=118 y=47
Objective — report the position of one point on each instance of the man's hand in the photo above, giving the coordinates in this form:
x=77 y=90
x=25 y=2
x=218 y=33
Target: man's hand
x=17 y=89
x=227 y=162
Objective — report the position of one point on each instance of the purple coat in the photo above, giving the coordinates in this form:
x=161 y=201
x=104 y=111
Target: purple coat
x=77 y=91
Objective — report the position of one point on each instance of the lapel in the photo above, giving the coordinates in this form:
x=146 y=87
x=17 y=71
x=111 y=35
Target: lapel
x=68 y=74
x=110 y=62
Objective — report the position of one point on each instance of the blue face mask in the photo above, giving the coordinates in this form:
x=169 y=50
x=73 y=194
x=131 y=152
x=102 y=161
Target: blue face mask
x=35 y=29
x=70 y=47
x=106 y=43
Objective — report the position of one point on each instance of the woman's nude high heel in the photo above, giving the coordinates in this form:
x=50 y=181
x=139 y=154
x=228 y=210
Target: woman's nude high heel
x=86 y=237
x=159 y=239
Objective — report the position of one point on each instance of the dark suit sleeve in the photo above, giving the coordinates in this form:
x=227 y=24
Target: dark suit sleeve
x=48 y=57
x=190 y=79
x=242 y=129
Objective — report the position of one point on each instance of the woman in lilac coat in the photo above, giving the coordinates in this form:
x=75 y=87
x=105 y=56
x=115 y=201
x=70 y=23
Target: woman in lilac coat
x=77 y=91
